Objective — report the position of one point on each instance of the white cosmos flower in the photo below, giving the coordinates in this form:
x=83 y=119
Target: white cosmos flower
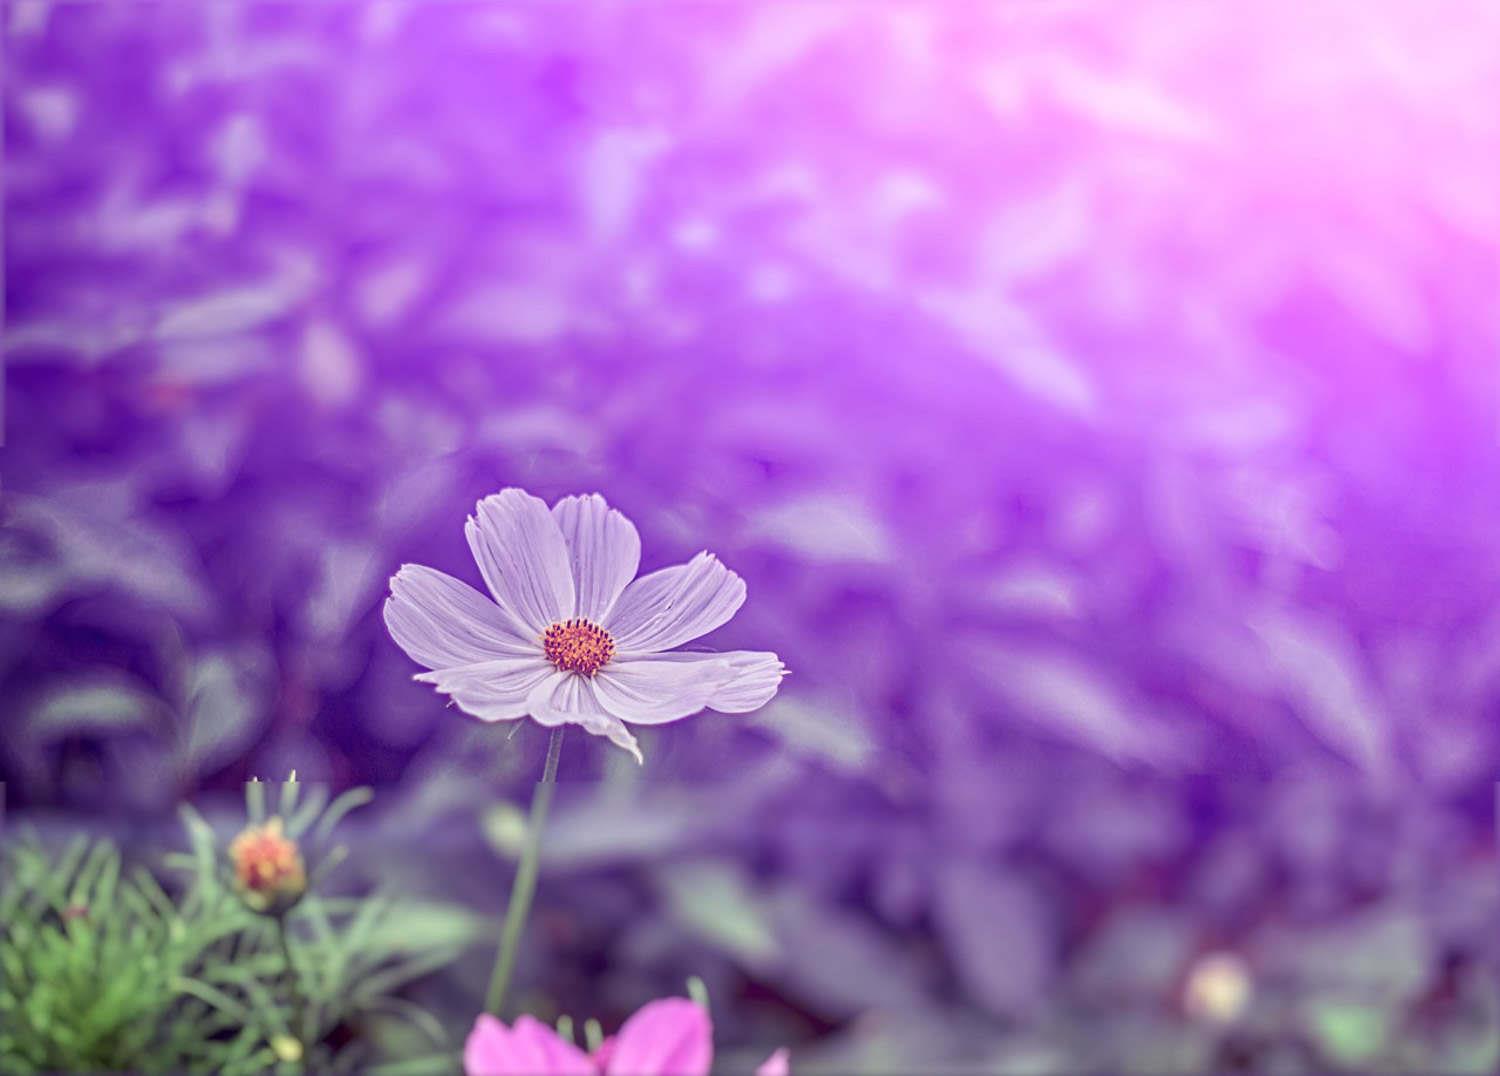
x=572 y=635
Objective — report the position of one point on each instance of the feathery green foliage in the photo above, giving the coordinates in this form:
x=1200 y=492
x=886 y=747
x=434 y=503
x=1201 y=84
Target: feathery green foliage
x=93 y=964
x=100 y=970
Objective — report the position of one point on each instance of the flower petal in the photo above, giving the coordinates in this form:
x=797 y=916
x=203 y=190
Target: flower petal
x=756 y=675
x=494 y=690
x=561 y=1058
x=778 y=1064
x=670 y=1037
x=648 y=691
x=440 y=621
x=568 y=698
x=672 y=606
x=603 y=1052
x=531 y=1048
x=556 y=699
x=523 y=558
x=613 y=730
x=487 y=1050
x=604 y=551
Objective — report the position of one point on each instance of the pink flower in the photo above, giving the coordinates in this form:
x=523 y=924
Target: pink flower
x=569 y=633
x=670 y=1037
x=531 y=1048
x=778 y=1064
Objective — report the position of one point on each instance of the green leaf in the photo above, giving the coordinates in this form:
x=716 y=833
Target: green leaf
x=416 y=926
x=91 y=960
x=255 y=801
x=201 y=840
x=291 y=788
x=217 y=998
x=298 y=821
x=504 y=825
x=1385 y=955
x=341 y=806
x=414 y=1014
x=1348 y=1034
x=714 y=900
x=825 y=728
x=326 y=866
x=433 y=1065
x=223 y=709
x=698 y=991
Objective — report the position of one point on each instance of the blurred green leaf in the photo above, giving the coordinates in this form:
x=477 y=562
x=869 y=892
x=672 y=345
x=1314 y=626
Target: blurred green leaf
x=433 y=1065
x=1348 y=1034
x=1384 y=957
x=344 y=803
x=714 y=899
x=224 y=707
x=822 y=727
x=413 y=926
x=607 y=828
x=505 y=827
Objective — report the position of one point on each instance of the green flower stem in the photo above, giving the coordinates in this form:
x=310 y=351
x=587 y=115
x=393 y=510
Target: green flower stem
x=299 y=1007
x=524 y=887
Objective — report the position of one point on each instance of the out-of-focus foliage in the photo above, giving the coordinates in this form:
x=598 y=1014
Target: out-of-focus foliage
x=92 y=966
x=1098 y=400
x=109 y=972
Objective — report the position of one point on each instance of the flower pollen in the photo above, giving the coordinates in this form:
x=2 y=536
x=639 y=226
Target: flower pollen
x=578 y=646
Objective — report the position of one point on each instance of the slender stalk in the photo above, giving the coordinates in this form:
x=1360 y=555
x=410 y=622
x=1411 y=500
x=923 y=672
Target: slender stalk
x=299 y=1007
x=524 y=887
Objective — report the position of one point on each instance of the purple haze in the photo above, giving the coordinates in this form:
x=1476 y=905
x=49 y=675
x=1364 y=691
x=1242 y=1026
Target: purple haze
x=1101 y=403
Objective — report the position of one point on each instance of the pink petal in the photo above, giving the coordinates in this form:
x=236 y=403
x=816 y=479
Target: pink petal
x=441 y=622
x=491 y=1050
x=561 y=1057
x=647 y=691
x=675 y=605
x=604 y=552
x=486 y=1048
x=778 y=1064
x=492 y=690
x=756 y=676
x=567 y=698
x=523 y=558
x=529 y=1049
x=670 y=1037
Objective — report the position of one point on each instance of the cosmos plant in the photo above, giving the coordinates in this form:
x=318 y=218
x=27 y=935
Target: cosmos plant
x=571 y=636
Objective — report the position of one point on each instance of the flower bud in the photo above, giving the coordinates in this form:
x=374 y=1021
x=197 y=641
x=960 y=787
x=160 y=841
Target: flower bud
x=268 y=869
x=286 y=1048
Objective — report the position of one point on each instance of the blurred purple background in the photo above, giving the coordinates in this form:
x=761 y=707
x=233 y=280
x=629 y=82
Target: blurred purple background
x=1100 y=401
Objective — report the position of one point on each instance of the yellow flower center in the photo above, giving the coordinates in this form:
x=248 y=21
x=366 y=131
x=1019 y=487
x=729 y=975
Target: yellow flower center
x=578 y=646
